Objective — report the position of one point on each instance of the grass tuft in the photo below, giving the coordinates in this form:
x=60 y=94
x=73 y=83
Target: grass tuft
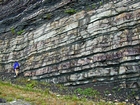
x=29 y=90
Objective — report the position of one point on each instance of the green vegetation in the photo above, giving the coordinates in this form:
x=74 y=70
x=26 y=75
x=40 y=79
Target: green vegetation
x=87 y=92
x=20 y=32
x=72 y=97
x=61 y=87
x=106 y=92
x=70 y=11
x=94 y=6
x=30 y=90
x=101 y=2
x=13 y=31
x=31 y=85
x=48 y=16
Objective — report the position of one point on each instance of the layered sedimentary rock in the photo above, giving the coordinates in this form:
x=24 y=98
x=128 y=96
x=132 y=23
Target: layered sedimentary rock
x=96 y=46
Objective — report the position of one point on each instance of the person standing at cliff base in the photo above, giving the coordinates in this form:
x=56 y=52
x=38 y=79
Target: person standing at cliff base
x=16 y=67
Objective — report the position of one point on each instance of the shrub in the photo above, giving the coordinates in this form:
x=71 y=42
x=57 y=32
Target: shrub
x=48 y=16
x=12 y=30
x=70 y=11
x=93 y=6
x=20 y=32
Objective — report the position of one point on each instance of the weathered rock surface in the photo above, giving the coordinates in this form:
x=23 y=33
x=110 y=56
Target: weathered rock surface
x=96 y=46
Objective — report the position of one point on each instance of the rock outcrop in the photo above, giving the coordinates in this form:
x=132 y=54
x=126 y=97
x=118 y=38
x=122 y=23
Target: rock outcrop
x=100 y=45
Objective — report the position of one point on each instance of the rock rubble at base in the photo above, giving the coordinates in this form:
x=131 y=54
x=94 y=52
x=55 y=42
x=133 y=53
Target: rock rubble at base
x=16 y=102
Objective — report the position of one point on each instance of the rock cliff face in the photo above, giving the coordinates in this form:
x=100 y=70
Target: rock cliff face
x=97 y=46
